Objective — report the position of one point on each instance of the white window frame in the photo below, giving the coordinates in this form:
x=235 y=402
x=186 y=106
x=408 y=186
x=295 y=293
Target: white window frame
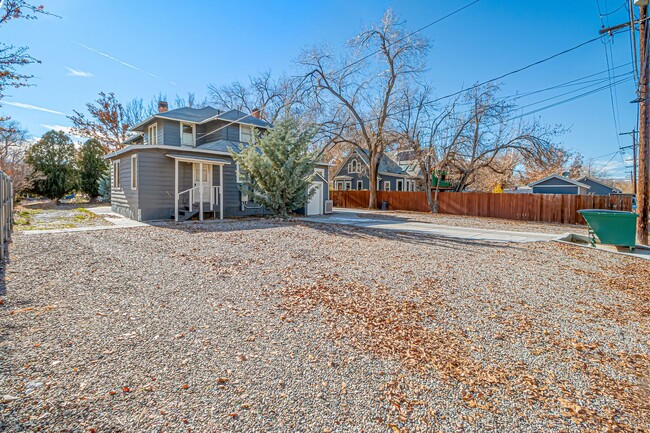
x=134 y=172
x=115 y=182
x=347 y=185
x=338 y=185
x=387 y=185
x=356 y=166
x=359 y=185
x=153 y=132
x=397 y=183
x=193 y=133
x=238 y=173
x=250 y=128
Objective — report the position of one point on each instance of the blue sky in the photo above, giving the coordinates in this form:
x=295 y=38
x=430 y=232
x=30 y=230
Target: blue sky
x=175 y=47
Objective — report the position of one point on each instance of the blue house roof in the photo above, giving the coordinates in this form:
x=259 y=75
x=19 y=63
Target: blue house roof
x=205 y=114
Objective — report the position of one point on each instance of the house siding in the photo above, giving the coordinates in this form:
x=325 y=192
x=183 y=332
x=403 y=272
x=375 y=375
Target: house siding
x=124 y=200
x=540 y=189
x=598 y=189
x=363 y=176
x=154 y=198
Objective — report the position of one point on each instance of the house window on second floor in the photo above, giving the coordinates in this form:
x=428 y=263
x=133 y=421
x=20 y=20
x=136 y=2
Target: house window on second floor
x=353 y=167
x=187 y=134
x=153 y=134
x=245 y=133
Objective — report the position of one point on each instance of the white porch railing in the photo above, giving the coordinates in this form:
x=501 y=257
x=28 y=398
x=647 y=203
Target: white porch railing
x=214 y=197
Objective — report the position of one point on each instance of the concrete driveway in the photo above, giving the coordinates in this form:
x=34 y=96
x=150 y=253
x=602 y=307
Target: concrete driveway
x=356 y=218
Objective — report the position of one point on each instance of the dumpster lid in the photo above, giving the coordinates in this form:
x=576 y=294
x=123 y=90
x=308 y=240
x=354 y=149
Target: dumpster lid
x=606 y=212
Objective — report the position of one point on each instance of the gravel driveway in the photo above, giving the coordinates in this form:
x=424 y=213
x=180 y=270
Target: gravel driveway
x=258 y=325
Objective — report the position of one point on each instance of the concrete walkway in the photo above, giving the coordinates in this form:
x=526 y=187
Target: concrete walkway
x=352 y=218
x=116 y=221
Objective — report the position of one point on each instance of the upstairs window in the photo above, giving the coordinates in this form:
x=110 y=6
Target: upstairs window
x=353 y=167
x=187 y=134
x=245 y=134
x=153 y=134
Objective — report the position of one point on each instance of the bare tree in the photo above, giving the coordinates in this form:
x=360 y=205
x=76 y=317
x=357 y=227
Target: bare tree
x=107 y=122
x=359 y=97
x=490 y=132
x=14 y=142
x=271 y=96
x=11 y=57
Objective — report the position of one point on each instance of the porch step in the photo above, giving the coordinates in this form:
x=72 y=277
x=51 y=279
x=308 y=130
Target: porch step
x=185 y=213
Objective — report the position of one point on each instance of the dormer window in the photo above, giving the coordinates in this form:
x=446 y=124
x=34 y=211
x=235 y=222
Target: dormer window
x=245 y=134
x=353 y=167
x=153 y=134
x=187 y=134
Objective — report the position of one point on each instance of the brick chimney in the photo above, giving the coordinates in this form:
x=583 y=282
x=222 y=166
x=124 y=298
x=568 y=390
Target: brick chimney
x=162 y=106
x=256 y=113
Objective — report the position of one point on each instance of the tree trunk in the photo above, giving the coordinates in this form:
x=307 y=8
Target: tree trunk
x=435 y=206
x=373 y=181
x=427 y=191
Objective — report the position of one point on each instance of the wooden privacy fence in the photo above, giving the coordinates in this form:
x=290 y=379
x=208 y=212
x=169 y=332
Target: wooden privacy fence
x=554 y=208
x=6 y=211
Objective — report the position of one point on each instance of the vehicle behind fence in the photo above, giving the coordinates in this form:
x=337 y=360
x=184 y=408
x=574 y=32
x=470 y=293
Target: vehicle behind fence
x=6 y=211
x=553 y=208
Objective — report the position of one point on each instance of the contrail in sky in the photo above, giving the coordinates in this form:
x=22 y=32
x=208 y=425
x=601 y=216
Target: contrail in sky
x=128 y=65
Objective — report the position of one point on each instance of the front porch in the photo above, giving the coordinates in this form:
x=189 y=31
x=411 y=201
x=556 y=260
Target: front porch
x=195 y=192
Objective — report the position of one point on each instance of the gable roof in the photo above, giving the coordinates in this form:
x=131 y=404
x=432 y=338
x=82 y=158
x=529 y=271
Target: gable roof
x=594 y=180
x=386 y=165
x=562 y=178
x=203 y=115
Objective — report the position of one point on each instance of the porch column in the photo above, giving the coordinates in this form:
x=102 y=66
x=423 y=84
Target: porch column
x=176 y=189
x=201 y=191
x=221 y=191
x=211 y=183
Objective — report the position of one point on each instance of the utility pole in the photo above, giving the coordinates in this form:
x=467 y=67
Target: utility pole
x=633 y=147
x=643 y=182
x=643 y=195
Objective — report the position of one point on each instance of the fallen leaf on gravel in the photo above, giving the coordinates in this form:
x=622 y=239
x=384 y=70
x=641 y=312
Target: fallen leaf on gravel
x=394 y=428
x=222 y=380
x=126 y=389
x=185 y=386
x=8 y=399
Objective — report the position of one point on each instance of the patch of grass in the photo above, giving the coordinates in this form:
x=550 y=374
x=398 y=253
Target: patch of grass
x=84 y=215
x=23 y=217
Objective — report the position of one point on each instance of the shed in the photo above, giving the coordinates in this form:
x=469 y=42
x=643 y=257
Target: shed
x=556 y=184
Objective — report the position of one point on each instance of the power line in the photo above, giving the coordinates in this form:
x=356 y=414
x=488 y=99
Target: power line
x=530 y=65
x=369 y=55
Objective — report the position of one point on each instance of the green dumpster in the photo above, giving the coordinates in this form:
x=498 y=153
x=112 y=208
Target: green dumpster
x=612 y=227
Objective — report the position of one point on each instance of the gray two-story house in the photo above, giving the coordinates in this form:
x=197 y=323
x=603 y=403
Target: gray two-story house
x=354 y=174
x=178 y=164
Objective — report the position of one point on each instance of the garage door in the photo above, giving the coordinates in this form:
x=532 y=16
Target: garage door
x=315 y=205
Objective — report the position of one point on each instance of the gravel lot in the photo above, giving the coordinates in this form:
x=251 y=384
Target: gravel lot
x=477 y=222
x=259 y=325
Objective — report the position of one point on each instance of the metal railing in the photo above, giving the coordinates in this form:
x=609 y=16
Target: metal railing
x=6 y=211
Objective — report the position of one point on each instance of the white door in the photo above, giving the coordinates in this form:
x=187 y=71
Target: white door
x=207 y=182
x=315 y=205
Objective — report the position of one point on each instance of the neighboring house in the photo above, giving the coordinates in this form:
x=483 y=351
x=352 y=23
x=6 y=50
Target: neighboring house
x=556 y=184
x=353 y=173
x=178 y=165
x=597 y=187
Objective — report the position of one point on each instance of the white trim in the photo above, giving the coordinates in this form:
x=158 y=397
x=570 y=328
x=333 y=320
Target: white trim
x=149 y=135
x=397 y=184
x=387 y=184
x=134 y=172
x=347 y=185
x=197 y=160
x=238 y=175
x=134 y=147
x=359 y=182
x=557 y=176
x=193 y=126
x=354 y=163
x=116 y=181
